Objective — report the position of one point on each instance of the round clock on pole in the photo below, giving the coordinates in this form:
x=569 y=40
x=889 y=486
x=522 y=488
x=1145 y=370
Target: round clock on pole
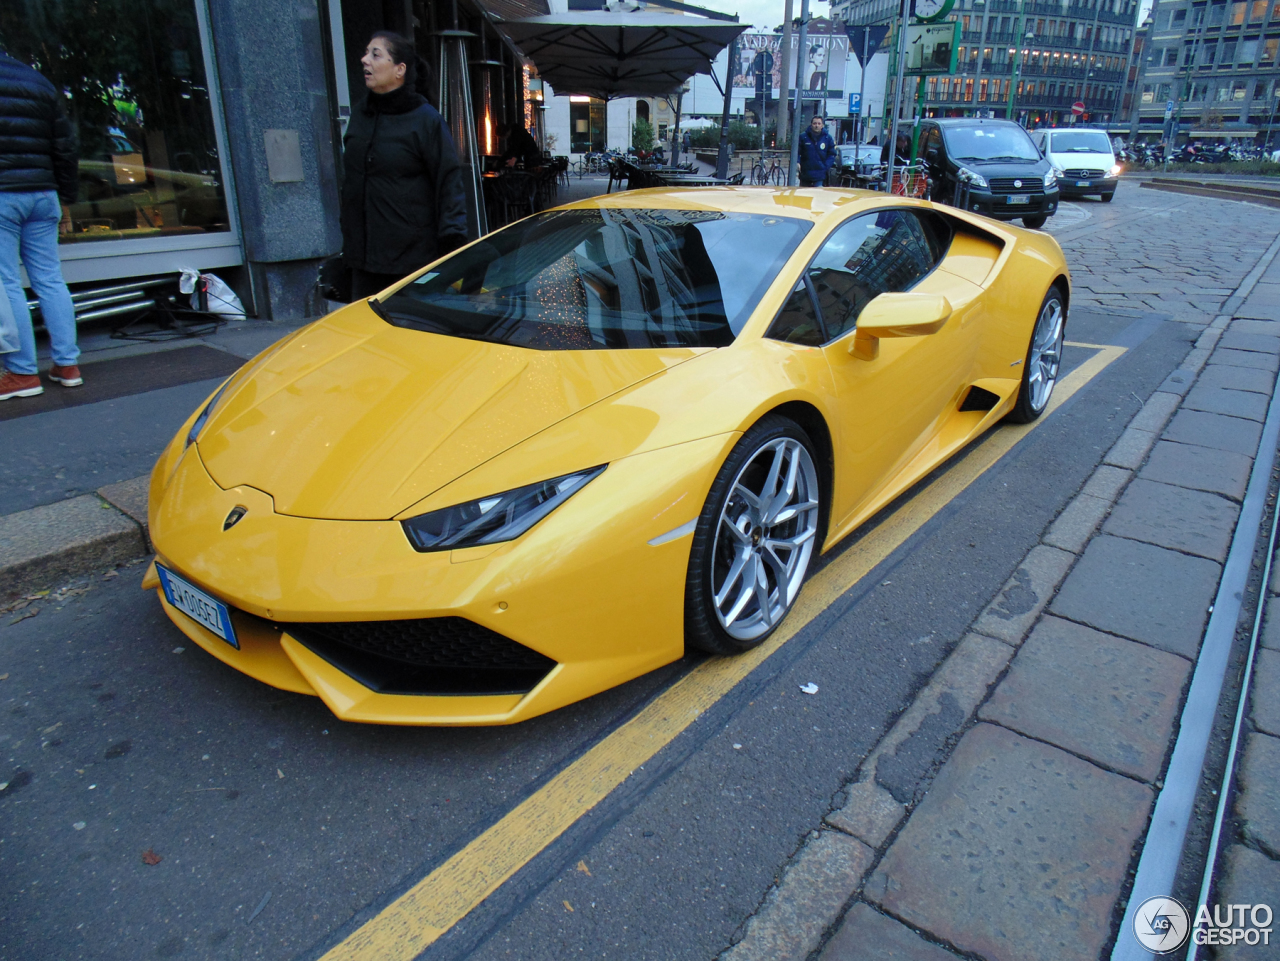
x=927 y=11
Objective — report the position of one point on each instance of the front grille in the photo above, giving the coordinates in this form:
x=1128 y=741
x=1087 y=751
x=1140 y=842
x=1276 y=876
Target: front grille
x=1084 y=174
x=1004 y=185
x=430 y=655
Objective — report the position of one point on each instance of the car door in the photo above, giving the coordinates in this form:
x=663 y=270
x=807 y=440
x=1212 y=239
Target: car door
x=891 y=395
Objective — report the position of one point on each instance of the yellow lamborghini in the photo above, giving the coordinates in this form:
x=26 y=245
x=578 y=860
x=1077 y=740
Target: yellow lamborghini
x=564 y=454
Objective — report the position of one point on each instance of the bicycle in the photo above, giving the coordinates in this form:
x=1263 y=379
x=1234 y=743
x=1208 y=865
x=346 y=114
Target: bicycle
x=773 y=175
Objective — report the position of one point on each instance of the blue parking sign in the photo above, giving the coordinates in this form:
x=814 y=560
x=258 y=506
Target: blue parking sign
x=855 y=103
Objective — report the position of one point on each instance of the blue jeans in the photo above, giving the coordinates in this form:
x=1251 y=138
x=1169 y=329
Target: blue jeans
x=29 y=225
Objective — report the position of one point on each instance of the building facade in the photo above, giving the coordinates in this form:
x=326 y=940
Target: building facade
x=210 y=131
x=1216 y=64
x=1072 y=52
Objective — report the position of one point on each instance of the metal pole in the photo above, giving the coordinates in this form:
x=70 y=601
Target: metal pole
x=783 y=123
x=862 y=92
x=1017 y=59
x=795 y=117
x=675 y=136
x=722 y=160
x=897 y=93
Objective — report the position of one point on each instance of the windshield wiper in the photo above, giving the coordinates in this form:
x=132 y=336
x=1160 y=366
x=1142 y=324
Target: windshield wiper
x=1007 y=157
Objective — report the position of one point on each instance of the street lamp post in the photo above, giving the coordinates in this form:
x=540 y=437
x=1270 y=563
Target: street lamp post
x=1019 y=39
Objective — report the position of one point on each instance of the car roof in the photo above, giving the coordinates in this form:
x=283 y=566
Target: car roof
x=805 y=203
x=973 y=122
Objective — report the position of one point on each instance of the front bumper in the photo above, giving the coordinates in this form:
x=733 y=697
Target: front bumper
x=583 y=589
x=1081 y=188
x=998 y=206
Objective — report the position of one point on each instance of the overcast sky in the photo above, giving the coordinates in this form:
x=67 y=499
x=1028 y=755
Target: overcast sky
x=764 y=14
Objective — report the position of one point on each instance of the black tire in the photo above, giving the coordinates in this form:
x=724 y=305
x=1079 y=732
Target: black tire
x=1034 y=223
x=703 y=630
x=1106 y=198
x=1028 y=406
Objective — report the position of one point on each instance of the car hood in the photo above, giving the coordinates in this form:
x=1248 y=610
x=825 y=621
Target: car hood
x=1008 y=168
x=1082 y=161
x=354 y=419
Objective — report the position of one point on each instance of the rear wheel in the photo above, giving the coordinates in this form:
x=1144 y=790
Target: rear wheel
x=1044 y=355
x=1034 y=223
x=754 y=540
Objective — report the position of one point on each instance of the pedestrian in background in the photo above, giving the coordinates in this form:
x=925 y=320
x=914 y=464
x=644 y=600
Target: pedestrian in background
x=817 y=153
x=521 y=148
x=38 y=166
x=403 y=203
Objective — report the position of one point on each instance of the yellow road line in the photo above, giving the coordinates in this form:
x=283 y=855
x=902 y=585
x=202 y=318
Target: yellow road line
x=421 y=915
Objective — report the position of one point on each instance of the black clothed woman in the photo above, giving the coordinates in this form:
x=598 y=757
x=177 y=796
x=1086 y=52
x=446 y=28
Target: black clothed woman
x=403 y=200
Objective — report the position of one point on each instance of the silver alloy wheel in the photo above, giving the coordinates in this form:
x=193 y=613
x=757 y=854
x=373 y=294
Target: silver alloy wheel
x=1046 y=354
x=764 y=538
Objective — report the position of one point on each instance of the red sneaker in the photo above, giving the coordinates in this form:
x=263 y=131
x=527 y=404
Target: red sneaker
x=66 y=376
x=19 y=385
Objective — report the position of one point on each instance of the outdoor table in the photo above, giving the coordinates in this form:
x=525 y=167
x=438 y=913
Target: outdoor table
x=694 y=180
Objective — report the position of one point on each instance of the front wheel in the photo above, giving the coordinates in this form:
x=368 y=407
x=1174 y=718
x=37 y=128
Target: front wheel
x=1106 y=198
x=754 y=539
x=1044 y=355
x=1034 y=223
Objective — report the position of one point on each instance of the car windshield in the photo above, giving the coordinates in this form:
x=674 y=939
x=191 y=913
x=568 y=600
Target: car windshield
x=1079 y=141
x=604 y=279
x=990 y=142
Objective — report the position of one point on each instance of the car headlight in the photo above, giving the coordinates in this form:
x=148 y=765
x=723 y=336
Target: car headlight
x=491 y=520
x=1115 y=171
x=972 y=177
x=1051 y=179
x=203 y=419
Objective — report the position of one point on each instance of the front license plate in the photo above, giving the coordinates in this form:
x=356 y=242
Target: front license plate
x=198 y=606
x=1019 y=199
x=1082 y=183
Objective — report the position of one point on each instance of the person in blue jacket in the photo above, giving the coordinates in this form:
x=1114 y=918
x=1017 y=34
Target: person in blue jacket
x=817 y=153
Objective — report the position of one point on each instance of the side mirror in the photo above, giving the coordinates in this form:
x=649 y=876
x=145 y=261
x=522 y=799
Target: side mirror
x=902 y=315
x=931 y=155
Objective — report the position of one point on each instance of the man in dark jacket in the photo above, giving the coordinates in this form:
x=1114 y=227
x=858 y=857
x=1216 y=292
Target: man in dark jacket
x=521 y=148
x=817 y=153
x=38 y=166
x=403 y=199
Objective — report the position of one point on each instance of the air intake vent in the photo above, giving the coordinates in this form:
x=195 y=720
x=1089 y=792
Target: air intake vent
x=431 y=655
x=979 y=399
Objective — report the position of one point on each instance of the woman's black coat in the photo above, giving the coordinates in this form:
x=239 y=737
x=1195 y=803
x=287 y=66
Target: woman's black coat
x=403 y=200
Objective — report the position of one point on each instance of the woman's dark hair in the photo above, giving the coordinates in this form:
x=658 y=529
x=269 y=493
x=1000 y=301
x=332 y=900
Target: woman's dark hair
x=400 y=48
x=417 y=70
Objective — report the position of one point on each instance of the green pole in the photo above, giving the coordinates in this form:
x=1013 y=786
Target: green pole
x=915 y=127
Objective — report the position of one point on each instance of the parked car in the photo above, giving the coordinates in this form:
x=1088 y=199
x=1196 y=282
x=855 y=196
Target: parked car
x=1084 y=159
x=557 y=458
x=989 y=167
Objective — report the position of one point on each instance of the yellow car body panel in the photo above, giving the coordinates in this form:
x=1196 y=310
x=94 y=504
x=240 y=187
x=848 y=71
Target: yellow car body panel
x=352 y=425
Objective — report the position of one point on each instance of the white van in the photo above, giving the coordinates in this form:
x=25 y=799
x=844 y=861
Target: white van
x=1083 y=158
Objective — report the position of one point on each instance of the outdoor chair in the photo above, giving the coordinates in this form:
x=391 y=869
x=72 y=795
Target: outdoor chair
x=514 y=194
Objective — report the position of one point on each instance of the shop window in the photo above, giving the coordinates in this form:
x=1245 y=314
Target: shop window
x=133 y=72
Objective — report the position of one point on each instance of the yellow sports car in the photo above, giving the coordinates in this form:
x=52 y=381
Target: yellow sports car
x=560 y=456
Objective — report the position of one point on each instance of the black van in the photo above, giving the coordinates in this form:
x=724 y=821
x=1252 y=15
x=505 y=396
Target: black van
x=990 y=167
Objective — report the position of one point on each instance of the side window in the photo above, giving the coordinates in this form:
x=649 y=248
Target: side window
x=798 y=321
x=890 y=250
x=932 y=141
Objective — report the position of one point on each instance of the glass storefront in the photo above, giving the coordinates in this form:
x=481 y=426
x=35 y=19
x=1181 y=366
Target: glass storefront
x=137 y=94
x=586 y=125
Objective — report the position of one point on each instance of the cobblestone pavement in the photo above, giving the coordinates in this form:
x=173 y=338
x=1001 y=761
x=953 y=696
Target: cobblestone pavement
x=1050 y=725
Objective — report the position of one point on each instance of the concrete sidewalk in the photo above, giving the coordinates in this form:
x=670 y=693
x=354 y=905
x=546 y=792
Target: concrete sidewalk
x=1002 y=815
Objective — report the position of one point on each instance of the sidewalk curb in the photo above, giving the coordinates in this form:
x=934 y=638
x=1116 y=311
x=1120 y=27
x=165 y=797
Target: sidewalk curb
x=45 y=545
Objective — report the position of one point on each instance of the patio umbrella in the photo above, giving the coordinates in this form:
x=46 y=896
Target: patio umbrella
x=605 y=54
